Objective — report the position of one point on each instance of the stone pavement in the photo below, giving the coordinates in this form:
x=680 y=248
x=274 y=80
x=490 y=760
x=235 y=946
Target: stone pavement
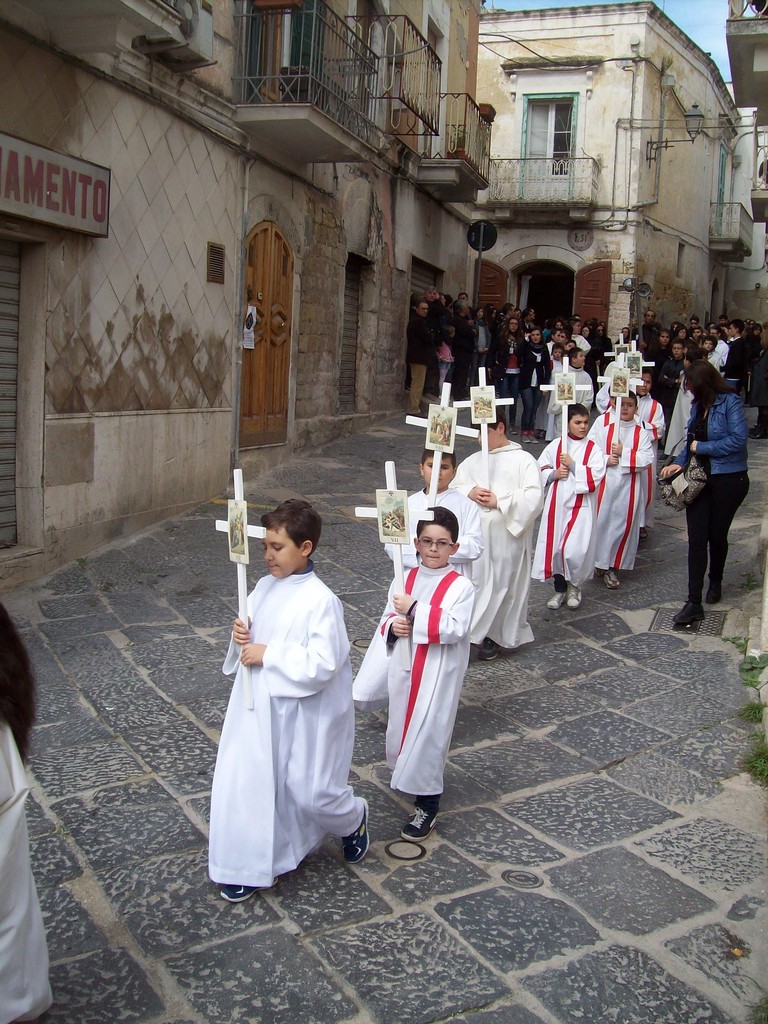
x=599 y=856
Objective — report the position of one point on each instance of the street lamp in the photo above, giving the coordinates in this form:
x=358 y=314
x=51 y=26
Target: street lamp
x=694 y=123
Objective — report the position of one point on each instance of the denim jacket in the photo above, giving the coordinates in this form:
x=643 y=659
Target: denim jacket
x=727 y=436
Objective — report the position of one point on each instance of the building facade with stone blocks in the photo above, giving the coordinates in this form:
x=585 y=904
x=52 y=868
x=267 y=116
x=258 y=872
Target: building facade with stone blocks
x=167 y=166
x=596 y=188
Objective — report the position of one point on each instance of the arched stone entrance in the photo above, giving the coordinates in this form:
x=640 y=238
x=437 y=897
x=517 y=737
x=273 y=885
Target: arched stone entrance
x=546 y=286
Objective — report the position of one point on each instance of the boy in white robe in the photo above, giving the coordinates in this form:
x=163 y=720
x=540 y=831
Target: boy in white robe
x=426 y=631
x=620 y=497
x=370 y=687
x=651 y=415
x=583 y=382
x=565 y=549
x=509 y=507
x=280 y=784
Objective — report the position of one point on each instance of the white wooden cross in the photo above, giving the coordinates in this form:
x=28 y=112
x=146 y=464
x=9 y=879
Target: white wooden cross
x=417 y=421
x=364 y=512
x=586 y=388
x=222 y=525
x=620 y=355
x=482 y=381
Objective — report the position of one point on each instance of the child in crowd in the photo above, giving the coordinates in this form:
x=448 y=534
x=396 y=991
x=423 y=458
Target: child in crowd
x=565 y=549
x=280 y=784
x=651 y=415
x=426 y=631
x=620 y=498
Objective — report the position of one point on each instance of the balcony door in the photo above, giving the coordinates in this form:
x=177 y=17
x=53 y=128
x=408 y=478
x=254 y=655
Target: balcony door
x=265 y=369
x=548 y=147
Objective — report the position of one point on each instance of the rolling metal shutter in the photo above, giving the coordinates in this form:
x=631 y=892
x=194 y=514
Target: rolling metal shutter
x=9 y=352
x=348 y=363
x=422 y=276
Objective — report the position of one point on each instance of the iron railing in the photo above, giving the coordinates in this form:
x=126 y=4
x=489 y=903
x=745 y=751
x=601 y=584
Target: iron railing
x=541 y=181
x=466 y=134
x=760 y=178
x=308 y=55
x=730 y=222
x=408 y=77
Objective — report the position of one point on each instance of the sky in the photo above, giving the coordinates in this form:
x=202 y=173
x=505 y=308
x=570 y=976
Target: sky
x=702 y=20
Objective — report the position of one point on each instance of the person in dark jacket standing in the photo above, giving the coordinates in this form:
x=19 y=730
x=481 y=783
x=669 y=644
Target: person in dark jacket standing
x=735 y=366
x=717 y=436
x=535 y=370
x=420 y=352
x=759 y=390
x=465 y=335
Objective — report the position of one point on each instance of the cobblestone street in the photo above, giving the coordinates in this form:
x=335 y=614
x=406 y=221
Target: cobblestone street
x=599 y=856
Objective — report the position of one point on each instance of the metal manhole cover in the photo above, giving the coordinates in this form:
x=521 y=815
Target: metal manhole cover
x=362 y=645
x=522 y=879
x=401 y=849
x=710 y=625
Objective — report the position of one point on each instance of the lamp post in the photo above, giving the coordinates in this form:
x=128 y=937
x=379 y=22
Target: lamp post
x=694 y=124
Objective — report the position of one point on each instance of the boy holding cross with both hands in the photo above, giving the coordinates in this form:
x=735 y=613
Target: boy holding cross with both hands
x=280 y=784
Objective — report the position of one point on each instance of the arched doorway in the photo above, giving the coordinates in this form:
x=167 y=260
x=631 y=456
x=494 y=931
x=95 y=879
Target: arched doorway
x=547 y=287
x=493 y=284
x=264 y=378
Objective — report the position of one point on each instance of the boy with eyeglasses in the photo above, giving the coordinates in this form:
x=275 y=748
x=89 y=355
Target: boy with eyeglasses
x=426 y=631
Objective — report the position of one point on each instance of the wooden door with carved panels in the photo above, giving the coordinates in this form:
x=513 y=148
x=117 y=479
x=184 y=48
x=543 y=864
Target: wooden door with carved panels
x=264 y=380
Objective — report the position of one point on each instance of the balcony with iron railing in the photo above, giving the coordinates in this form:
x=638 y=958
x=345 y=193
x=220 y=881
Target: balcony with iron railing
x=567 y=185
x=408 y=78
x=730 y=231
x=760 y=177
x=455 y=165
x=746 y=33
x=306 y=83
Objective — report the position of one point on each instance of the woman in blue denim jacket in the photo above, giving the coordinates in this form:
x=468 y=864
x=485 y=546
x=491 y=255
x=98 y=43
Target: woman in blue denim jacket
x=717 y=436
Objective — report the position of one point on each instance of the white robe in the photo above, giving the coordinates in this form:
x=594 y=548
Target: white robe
x=281 y=779
x=370 y=689
x=425 y=677
x=620 y=497
x=651 y=415
x=678 y=422
x=503 y=571
x=24 y=989
x=567 y=535
x=583 y=397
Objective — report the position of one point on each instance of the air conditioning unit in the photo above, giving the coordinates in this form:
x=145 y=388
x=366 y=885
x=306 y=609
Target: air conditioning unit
x=195 y=49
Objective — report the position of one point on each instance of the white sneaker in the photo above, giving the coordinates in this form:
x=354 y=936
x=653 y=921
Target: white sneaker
x=556 y=600
x=574 y=596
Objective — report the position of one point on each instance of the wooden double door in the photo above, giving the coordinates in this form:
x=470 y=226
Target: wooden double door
x=266 y=367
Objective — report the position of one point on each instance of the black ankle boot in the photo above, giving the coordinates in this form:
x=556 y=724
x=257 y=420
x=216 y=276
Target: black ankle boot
x=688 y=614
x=714 y=593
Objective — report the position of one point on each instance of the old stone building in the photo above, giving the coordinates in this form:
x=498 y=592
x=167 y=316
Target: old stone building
x=613 y=179
x=164 y=166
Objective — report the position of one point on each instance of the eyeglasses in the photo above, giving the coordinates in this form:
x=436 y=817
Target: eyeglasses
x=441 y=545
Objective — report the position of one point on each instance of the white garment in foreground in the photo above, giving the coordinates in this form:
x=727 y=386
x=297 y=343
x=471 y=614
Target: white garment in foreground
x=281 y=780
x=502 y=574
x=620 y=498
x=24 y=988
x=567 y=535
x=678 y=423
x=424 y=686
x=583 y=397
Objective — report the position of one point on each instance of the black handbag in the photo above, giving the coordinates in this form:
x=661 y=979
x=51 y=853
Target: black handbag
x=684 y=488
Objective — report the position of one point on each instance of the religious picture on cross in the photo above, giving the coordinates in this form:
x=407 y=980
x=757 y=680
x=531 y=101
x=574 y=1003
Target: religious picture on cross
x=565 y=388
x=634 y=363
x=392 y=515
x=619 y=383
x=621 y=350
x=237 y=518
x=483 y=404
x=441 y=434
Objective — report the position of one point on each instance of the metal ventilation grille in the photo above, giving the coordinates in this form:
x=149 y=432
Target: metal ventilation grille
x=216 y=263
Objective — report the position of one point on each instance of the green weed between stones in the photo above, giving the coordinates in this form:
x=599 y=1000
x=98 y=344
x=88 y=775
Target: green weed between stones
x=759 y=1012
x=751 y=669
x=752 y=712
x=756 y=761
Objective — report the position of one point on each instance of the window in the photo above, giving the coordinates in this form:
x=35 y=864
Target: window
x=680 y=259
x=549 y=130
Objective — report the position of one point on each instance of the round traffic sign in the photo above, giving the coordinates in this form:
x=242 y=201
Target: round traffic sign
x=481 y=235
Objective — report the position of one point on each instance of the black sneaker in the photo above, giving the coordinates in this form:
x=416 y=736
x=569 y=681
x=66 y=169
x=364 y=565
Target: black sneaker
x=237 y=893
x=419 y=825
x=356 y=846
x=489 y=650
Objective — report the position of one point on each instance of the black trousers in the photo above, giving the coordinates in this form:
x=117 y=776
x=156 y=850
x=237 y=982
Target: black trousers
x=709 y=520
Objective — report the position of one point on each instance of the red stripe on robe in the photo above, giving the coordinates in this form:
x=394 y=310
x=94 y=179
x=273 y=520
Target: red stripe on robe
x=420 y=656
x=550 y=541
